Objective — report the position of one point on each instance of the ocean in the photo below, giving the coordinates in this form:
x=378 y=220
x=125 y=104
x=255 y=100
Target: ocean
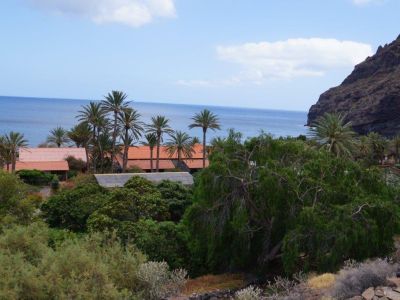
x=35 y=117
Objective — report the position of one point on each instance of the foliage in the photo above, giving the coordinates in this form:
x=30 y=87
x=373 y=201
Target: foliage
x=161 y=241
x=181 y=144
x=159 y=282
x=333 y=133
x=35 y=177
x=177 y=196
x=76 y=164
x=249 y=293
x=140 y=185
x=269 y=200
x=123 y=208
x=55 y=183
x=92 y=267
x=70 y=209
x=16 y=204
x=58 y=137
x=354 y=281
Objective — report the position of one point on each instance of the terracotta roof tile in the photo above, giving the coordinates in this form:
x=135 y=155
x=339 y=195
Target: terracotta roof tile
x=50 y=154
x=143 y=152
x=144 y=164
x=42 y=165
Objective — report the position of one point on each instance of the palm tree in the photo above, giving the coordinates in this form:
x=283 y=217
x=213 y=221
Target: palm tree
x=378 y=145
x=58 y=136
x=151 y=142
x=13 y=142
x=205 y=120
x=93 y=115
x=5 y=157
x=180 y=143
x=129 y=121
x=81 y=135
x=332 y=132
x=159 y=126
x=114 y=103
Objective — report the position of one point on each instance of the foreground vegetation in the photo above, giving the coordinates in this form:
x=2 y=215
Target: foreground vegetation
x=264 y=206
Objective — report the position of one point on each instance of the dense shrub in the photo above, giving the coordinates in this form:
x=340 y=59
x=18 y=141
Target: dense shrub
x=16 y=204
x=123 y=208
x=355 y=280
x=281 y=201
x=35 y=177
x=177 y=196
x=161 y=241
x=249 y=293
x=159 y=282
x=140 y=185
x=77 y=165
x=70 y=209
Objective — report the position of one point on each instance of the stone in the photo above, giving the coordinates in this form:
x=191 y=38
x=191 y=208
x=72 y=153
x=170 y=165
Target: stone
x=368 y=293
x=379 y=292
x=392 y=295
x=369 y=97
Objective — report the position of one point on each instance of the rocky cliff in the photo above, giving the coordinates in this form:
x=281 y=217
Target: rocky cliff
x=369 y=96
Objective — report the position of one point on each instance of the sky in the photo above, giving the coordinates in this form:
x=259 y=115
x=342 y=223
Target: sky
x=276 y=54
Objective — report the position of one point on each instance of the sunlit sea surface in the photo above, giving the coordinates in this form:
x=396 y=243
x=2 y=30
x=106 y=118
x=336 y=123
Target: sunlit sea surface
x=35 y=117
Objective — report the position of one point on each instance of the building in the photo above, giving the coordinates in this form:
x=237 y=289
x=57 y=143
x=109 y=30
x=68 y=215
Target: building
x=139 y=157
x=119 y=180
x=50 y=160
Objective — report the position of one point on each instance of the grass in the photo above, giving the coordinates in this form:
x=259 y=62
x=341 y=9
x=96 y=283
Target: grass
x=211 y=283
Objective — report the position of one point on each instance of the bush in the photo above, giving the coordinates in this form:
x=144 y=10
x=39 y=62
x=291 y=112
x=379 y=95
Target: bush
x=93 y=267
x=16 y=205
x=55 y=183
x=35 y=177
x=161 y=241
x=123 y=208
x=354 y=281
x=140 y=185
x=249 y=293
x=177 y=196
x=159 y=282
x=70 y=209
x=77 y=165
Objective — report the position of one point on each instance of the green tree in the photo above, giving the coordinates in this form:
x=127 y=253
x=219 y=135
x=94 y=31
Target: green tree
x=282 y=202
x=132 y=130
x=151 y=142
x=159 y=126
x=93 y=115
x=334 y=134
x=5 y=154
x=395 y=143
x=58 y=136
x=13 y=141
x=378 y=146
x=115 y=103
x=81 y=135
x=180 y=143
x=205 y=120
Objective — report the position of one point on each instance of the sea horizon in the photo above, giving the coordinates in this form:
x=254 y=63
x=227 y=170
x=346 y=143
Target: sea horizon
x=35 y=117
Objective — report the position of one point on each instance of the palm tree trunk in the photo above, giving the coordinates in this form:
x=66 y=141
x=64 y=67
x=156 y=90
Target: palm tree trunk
x=125 y=155
x=94 y=162
x=87 y=157
x=151 y=159
x=158 y=154
x=114 y=138
x=204 y=147
x=13 y=161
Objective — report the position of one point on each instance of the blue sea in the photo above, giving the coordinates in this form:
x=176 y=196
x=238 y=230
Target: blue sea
x=35 y=117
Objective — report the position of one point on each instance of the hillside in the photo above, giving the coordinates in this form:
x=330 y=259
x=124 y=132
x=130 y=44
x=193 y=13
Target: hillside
x=369 y=96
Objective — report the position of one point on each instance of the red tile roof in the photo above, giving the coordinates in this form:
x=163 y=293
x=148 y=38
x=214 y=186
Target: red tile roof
x=144 y=164
x=50 y=154
x=143 y=152
x=42 y=165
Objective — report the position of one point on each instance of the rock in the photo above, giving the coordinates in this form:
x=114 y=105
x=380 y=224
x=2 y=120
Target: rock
x=369 y=96
x=393 y=282
x=379 y=292
x=368 y=294
x=392 y=295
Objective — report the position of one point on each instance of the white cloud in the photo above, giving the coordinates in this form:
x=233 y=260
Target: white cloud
x=133 y=13
x=287 y=59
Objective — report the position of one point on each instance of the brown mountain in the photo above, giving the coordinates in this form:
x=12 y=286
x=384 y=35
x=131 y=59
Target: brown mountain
x=370 y=96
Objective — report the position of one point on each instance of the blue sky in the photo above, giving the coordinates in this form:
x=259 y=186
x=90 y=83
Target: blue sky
x=279 y=54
